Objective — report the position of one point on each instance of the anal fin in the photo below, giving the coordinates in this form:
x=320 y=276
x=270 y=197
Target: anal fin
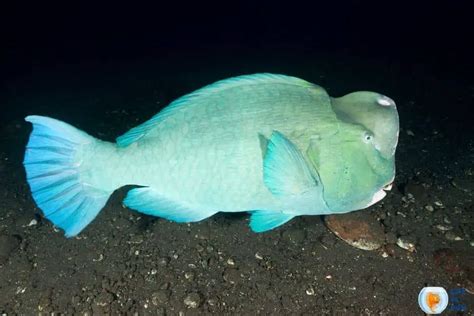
x=261 y=221
x=150 y=202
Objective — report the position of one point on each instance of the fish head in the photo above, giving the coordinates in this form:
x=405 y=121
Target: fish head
x=356 y=163
x=374 y=112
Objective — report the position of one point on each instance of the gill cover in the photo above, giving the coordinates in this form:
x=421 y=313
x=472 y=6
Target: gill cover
x=351 y=170
x=376 y=113
x=357 y=161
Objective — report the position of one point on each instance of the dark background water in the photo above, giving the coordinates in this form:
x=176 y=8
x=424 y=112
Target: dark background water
x=434 y=34
x=231 y=38
x=107 y=67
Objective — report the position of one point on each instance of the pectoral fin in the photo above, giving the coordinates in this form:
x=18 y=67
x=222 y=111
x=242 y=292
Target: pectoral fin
x=261 y=221
x=285 y=171
x=290 y=178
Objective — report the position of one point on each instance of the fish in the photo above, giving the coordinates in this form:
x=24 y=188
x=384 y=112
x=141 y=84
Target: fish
x=272 y=145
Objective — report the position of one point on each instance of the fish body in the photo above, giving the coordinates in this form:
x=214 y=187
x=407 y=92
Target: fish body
x=273 y=145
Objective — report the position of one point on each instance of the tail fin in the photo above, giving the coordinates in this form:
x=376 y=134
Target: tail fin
x=54 y=164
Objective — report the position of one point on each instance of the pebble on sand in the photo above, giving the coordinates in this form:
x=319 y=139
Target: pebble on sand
x=358 y=229
x=405 y=244
x=451 y=236
x=160 y=297
x=193 y=300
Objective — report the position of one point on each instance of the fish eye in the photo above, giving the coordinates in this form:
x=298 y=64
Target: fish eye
x=367 y=138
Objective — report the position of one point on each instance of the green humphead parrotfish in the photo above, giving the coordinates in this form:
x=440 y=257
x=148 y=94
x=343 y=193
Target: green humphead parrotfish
x=272 y=145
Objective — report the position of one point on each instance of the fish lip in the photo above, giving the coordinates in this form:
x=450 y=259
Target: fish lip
x=388 y=187
x=378 y=196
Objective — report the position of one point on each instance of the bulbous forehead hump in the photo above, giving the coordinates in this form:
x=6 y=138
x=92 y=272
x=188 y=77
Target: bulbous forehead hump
x=385 y=101
x=375 y=112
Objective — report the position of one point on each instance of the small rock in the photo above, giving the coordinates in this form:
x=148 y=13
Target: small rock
x=135 y=239
x=438 y=204
x=258 y=256
x=160 y=297
x=189 y=275
x=464 y=184
x=163 y=261
x=231 y=275
x=33 y=222
x=44 y=303
x=192 y=300
x=310 y=291
x=443 y=228
x=105 y=298
x=358 y=229
x=212 y=301
x=231 y=262
x=452 y=236
x=406 y=243
x=206 y=262
x=429 y=208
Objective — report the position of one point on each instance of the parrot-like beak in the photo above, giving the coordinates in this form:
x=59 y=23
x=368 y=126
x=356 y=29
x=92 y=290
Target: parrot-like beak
x=380 y=194
x=377 y=197
x=388 y=187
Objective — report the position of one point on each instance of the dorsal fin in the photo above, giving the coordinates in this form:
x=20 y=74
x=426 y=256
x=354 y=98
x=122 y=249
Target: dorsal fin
x=141 y=130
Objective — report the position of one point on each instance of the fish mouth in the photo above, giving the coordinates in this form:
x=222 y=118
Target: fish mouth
x=388 y=187
x=380 y=194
